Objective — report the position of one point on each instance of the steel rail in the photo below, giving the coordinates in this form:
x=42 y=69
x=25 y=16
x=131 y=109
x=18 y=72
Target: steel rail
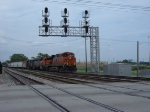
x=52 y=102
x=87 y=99
x=65 y=79
x=57 y=77
x=106 y=78
x=14 y=78
x=130 y=94
x=127 y=88
x=17 y=77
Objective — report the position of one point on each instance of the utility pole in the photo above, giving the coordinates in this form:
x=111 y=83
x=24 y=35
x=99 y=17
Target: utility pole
x=148 y=49
x=108 y=54
x=137 y=58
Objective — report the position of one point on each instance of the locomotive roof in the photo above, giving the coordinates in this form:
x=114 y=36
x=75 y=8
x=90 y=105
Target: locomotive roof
x=66 y=52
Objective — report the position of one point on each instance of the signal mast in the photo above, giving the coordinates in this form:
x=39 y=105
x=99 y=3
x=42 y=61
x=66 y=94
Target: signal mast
x=83 y=30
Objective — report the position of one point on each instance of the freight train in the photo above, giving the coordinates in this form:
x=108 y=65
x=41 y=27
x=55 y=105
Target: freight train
x=63 y=62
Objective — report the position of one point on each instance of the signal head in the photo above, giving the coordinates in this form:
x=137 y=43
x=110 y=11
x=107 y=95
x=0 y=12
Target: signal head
x=86 y=12
x=65 y=20
x=46 y=10
x=86 y=22
x=65 y=10
x=46 y=19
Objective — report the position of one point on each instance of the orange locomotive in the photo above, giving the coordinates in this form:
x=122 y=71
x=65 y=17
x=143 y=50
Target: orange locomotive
x=63 y=62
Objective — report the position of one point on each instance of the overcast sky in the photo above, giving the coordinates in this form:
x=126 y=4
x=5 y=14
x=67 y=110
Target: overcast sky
x=121 y=24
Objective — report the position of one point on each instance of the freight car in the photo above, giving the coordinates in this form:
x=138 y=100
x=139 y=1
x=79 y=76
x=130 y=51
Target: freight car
x=21 y=64
x=63 y=62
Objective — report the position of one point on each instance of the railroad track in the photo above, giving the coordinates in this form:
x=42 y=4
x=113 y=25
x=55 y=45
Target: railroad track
x=55 y=77
x=88 y=84
x=125 y=93
x=10 y=80
x=91 y=77
x=109 y=78
x=57 y=105
x=26 y=82
x=108 y=89
x=20 y=77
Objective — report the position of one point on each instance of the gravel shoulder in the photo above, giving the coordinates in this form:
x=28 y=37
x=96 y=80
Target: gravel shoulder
x=0 y=79
x=6 y=80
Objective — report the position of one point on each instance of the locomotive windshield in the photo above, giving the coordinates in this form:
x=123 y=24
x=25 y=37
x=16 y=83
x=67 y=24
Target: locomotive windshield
x=71 y=54
x=65 y=55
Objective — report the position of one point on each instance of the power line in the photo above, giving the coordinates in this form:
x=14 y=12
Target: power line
x=74 y=40
x=122 y=40
x=102 y=6
x=117 y=40
x=39 y=43
x=105 y=5
x=15 y=39
x=120 y=6
x=124 y=6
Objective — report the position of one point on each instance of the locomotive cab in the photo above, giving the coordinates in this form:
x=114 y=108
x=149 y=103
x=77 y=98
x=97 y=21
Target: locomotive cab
x=69 y=61
x=65 y=61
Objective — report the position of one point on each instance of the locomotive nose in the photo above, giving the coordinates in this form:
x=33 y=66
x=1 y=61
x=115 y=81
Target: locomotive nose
x=71 y=61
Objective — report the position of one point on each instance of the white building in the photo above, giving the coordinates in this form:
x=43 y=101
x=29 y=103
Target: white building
x=119 y=69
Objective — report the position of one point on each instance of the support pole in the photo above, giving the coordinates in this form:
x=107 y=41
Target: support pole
x=1 y=68
x=137 y=58
x=148 y=49
x=85 y=55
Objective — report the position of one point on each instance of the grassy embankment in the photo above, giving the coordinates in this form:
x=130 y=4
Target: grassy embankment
x=134 y=69
x=81 y=68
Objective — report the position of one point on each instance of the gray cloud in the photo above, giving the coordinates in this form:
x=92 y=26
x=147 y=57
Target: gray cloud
x=20 y=20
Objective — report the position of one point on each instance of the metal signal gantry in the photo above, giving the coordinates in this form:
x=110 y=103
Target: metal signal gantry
x=84 y=30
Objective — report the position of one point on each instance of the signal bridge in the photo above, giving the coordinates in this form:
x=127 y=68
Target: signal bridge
x=84 y=30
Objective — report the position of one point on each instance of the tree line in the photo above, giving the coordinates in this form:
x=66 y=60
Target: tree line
x=22 y=57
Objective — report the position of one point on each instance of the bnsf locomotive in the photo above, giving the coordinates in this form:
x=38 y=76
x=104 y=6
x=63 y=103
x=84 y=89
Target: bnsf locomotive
x=63 y=62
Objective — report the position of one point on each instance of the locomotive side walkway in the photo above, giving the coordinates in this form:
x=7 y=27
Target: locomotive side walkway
x=21 y=98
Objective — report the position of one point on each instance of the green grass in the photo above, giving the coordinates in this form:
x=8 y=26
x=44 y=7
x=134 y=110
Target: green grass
x=82 y=69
